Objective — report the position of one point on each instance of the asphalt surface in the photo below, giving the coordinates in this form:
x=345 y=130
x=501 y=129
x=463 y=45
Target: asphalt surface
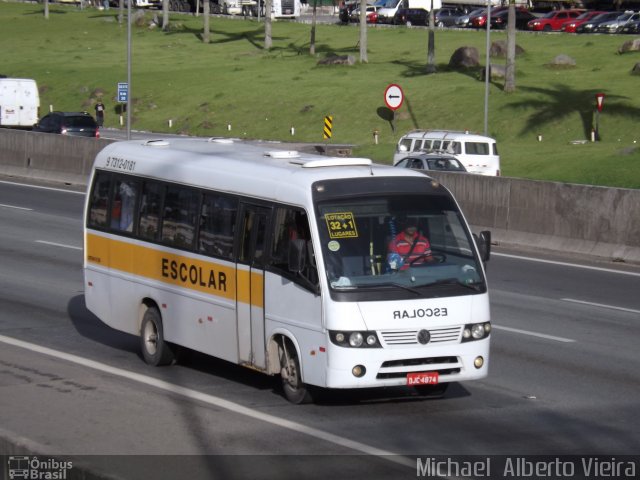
x=564 y=376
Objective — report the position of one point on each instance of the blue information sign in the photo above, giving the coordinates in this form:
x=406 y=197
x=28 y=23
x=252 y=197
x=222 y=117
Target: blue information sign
x=123 y=92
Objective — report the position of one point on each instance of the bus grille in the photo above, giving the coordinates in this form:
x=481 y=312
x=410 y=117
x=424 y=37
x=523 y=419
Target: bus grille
x=399 y=368
x=410 y=337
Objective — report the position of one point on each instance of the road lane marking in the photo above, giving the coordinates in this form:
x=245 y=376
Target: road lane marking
x=533 y=334
x=41 y=187
x=58 y=244
x=214 y=401
x=564 y=264
x=601 y=305
x=17 y=208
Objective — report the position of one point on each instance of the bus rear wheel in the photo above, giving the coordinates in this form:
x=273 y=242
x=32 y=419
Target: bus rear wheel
x=155 y=350
x=294 y=390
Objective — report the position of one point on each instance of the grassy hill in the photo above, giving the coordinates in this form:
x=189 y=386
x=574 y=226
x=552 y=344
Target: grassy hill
x=79 y=55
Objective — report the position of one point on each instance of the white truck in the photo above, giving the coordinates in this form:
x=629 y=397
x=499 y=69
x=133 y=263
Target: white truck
x=19 y=102
x=388 y=10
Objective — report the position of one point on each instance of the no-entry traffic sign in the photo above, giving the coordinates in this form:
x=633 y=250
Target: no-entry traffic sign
x=393 y=96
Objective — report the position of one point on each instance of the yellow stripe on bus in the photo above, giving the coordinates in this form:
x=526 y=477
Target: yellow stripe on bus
x=179 y=270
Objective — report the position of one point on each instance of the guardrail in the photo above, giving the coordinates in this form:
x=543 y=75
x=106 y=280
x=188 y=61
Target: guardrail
x=596 y=221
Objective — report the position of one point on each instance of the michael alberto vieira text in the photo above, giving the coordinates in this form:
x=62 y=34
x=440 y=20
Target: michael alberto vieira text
x=529 y=467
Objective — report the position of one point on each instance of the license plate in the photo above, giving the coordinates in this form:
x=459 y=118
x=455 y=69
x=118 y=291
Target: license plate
x=422 y=378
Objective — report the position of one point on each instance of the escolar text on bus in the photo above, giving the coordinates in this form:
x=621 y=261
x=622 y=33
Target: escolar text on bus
x=420 y=313
x=194 y=275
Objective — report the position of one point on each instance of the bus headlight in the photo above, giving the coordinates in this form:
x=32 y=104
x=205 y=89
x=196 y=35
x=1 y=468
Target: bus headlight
x=355 y=339
x=476 y=331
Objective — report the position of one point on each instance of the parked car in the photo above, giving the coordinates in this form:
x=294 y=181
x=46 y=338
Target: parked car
x=344 y=14
x=590 y=26
x=446 y=17
x=631 y=28
x=80 y=124
x=480 y=21
x=500 y=20
x=411 y=16
x=572 y=25
x=616 y=25
x=371 y=14
x=553 y=21
x=464 y=21
x=432 y=161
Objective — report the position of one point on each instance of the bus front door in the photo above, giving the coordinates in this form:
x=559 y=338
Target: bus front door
x=250 y=286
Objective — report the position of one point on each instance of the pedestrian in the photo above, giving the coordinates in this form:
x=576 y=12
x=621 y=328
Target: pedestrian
x=100 y=113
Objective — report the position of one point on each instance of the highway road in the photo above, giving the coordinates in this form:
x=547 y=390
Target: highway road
x=564 y=376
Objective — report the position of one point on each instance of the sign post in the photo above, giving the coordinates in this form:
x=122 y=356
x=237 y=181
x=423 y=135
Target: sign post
x=393 y=98
x=599 y=103
x=123 y=97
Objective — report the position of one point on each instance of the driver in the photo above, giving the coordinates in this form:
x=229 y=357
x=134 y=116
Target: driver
x=409 y=247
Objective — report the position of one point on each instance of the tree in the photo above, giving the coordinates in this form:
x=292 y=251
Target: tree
x=510 y=70
x=206 y=6
x=312 y=41
x=431 y=49
x=268 y=40
x=363 y=31
x=46 y=9
x=165 y=15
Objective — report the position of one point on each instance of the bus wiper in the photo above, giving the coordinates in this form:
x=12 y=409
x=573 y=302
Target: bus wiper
x=454 y=281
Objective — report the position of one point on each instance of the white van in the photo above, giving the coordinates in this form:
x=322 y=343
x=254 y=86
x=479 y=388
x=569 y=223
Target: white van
x=479 y=154
x=19 y=102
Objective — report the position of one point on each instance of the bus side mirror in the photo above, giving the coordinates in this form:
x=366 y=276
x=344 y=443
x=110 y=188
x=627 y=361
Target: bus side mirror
x=297 y=255
x=483 y=241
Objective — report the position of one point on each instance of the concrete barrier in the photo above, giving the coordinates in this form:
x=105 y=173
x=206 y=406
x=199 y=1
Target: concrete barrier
x=44 y=156
x=581 y=219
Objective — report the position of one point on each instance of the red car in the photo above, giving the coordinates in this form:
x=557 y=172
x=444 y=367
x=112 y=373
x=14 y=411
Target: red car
x=570 y=26
x=480 y=21
x=553 y=20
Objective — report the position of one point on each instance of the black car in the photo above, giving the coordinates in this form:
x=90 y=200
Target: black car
x=594 y=23
x=80 y=124
x=432 y=161
x=411 y=17
x=500 y=20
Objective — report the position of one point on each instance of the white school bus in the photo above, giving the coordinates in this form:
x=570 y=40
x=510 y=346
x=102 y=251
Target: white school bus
x=279 y=261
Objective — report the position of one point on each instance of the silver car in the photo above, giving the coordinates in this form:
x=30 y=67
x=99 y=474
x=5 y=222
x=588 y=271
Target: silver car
x=431 y=161
x=615 y=26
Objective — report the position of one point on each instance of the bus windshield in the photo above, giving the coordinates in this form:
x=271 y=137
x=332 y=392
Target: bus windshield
x=411 y=242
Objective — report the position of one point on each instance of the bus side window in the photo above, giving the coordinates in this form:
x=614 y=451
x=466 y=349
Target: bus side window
x=123 y=203
x=98 y=207
x=179 y=220
x=217 y=225
x=149 y=216
x=292 y=224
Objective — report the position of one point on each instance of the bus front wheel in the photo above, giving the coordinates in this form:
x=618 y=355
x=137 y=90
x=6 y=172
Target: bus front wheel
x=294 y=390
x=155 y=350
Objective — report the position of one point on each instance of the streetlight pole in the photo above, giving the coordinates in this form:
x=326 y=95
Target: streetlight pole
x=487 y=73
x=129 y=69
